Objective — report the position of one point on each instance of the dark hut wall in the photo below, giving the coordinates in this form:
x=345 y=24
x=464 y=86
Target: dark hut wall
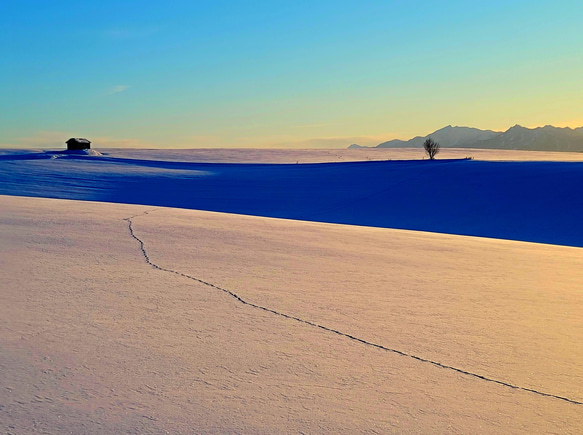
x=78 y=144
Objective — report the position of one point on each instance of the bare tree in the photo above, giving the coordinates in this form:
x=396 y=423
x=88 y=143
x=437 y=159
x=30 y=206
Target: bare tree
x=431 y=148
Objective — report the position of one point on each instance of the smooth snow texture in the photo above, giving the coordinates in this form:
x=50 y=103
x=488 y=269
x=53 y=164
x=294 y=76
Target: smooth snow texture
x=95 y=340
x=536 y=201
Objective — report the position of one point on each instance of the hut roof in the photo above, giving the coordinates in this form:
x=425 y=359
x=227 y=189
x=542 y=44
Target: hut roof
x=78 y=140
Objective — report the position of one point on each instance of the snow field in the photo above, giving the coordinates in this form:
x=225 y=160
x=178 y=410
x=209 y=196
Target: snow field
x=535 y=201
x=95 y=340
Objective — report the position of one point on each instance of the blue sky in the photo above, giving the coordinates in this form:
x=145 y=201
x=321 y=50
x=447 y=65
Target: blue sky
x=280 y=73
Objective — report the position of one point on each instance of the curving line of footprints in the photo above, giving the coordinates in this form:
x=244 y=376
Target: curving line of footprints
x=343 y=334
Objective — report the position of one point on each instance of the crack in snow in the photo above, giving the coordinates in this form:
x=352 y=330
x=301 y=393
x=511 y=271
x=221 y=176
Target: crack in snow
x=325 y=328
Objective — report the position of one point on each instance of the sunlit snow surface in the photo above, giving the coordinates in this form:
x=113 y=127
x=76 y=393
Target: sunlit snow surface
x=536 y=201
x=121 y=318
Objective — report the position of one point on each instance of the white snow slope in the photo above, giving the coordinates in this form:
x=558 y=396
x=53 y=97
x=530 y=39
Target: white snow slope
x=129 y=318
x=119 y=318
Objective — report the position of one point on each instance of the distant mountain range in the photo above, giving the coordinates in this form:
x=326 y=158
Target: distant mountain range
x=546 y=138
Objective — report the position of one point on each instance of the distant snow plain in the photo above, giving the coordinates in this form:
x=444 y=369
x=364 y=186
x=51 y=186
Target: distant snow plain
x=241 y=321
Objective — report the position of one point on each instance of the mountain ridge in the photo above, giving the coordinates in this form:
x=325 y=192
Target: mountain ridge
x=547 y=138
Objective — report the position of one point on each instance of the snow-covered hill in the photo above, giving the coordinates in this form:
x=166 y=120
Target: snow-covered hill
x=529 y=201
x=335 y=328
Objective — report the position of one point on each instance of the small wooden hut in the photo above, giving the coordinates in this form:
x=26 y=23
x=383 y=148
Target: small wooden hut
x=78 y=143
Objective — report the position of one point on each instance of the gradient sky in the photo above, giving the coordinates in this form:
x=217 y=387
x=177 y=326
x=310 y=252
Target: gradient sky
x=283 y=73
